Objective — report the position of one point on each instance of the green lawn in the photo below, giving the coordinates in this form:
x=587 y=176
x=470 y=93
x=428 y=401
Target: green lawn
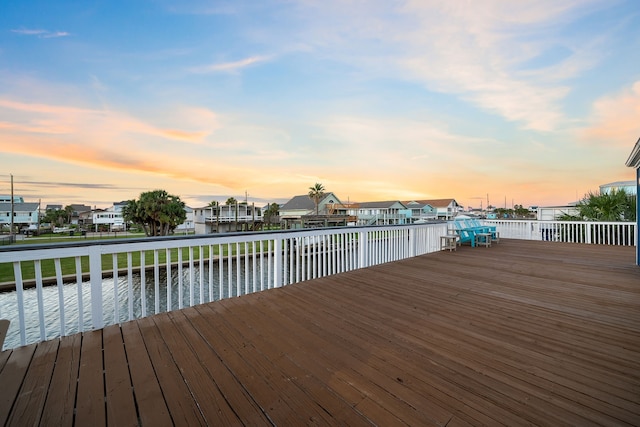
x=67 y=265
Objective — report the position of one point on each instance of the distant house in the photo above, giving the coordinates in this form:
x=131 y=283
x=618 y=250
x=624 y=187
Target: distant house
x=108 y=218
x=225 y=218
x=188 y=226
x=444 y=208
x=77 y=210
x=24 y=214
x=421 y=210
x=300 y=212
x=380 y=213
x=552 y=213
x=7 y=199
x=53 y=208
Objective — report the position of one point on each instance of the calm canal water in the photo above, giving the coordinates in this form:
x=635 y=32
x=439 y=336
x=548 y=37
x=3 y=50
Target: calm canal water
x=52 y=313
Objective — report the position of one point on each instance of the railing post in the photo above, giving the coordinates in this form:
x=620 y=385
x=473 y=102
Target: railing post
x=363 y=249
x=95 y=277
x=412 y=242
x=277 y=262
x=588 y=233
x=531 y=230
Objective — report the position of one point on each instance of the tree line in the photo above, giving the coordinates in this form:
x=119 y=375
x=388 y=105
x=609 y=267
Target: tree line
x=159 y=213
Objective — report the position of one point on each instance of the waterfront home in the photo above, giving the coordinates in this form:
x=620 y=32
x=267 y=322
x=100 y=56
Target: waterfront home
x=420 y=210
x=24 y=214
x=301 y=212
x=224 y=218
x=444 y=208
x=380 y=213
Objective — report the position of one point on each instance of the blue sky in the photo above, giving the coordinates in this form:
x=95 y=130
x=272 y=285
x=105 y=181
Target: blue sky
x=528 y=102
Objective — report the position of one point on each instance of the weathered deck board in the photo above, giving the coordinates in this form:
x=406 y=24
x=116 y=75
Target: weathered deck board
x=517 y=334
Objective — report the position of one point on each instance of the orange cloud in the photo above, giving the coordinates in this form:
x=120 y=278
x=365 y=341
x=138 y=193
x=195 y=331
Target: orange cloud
x=615 y=119
x=57 y=119
x=183 y=135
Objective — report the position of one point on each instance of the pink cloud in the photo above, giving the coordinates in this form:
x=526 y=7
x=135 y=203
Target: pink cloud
x=615 y=120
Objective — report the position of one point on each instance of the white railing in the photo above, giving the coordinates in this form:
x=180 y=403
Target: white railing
x=599 y=233
x=94 y=284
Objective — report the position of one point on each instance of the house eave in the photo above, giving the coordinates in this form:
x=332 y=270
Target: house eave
x=634 y=158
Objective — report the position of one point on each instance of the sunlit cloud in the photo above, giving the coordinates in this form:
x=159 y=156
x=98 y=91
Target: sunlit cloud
x=230 y=66
x=615 y=119
x=406 y=99
x=480 y=52
x=61 y=119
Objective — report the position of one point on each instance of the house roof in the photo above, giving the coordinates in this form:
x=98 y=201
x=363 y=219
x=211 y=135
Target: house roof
x=80 y=208
x=299 y=202
x=19 y=207
x=305 y=202
x=620 y=184
x=382 y=204
x=436 y=203
x=634 y=158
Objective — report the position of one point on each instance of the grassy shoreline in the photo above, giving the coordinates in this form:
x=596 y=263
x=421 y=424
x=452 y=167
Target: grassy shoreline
x=68 y=267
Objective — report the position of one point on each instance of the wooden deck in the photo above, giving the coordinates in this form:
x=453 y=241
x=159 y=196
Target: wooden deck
x=522 y=333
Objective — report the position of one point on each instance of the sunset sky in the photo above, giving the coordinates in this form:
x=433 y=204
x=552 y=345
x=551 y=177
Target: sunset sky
x=528 y=102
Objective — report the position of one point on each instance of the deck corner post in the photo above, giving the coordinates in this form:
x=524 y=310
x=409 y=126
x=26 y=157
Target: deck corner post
x=363 y=249
x=95 y=278
x=277 y=263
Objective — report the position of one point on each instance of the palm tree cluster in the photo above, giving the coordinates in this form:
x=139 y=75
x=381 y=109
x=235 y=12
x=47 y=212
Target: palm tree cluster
x=611 y=206
x=59 y=217
x=157 y=212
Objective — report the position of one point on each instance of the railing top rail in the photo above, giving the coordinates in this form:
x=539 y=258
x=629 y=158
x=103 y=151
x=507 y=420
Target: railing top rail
x=559 y=221
x=79 y=248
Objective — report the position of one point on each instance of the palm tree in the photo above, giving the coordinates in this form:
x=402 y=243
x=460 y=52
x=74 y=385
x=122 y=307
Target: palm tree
x=270 y=213
x=613 y=206
x=316 y=192
x=68 y=210
x=231 y=201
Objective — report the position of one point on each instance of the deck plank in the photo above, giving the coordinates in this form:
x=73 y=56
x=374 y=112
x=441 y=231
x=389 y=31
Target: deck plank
x=90 y=401
x=61 y=399
x=250 y=370
x=211 y=403
x=152 y=408
x=230 y=387
x=120 y=402
x=522 y=333
x=12 y=377
x=176 y=393
x=27 y=408
x=272 y=336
